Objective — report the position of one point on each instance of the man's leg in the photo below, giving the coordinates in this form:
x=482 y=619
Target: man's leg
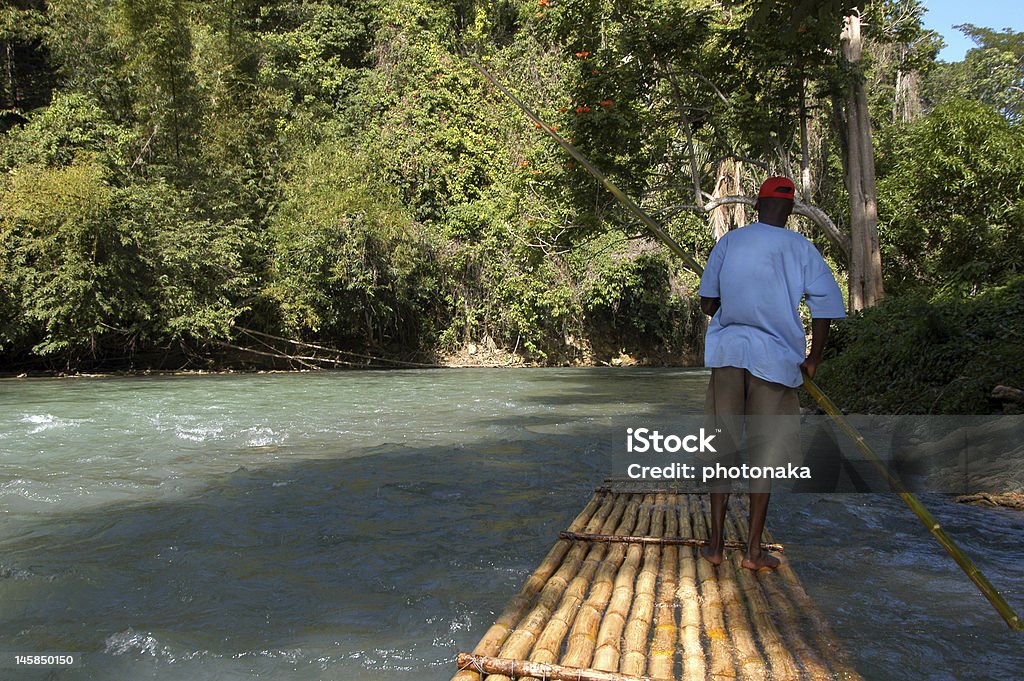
x=723 y=407
x=713 y=552
x=755 y=559
x=773 y=429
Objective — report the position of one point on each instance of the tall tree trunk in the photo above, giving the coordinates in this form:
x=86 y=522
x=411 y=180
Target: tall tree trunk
x=906 y=105
x=805 y=154
x=865 y=276
x=739 y=214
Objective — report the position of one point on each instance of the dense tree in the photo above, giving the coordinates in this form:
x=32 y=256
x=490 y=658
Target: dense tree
x=28 y=76
x=953 y=194
x=338 y=172
x=991 y=73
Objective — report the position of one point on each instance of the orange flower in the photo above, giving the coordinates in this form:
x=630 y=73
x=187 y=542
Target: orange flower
x=523 y=164
x=606 y=103
x=579 y=109
x=582 y=55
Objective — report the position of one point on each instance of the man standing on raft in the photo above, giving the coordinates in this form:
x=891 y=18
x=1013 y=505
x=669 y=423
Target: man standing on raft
x=755 y=279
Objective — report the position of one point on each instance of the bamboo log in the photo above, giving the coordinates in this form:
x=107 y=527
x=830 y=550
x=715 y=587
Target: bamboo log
x=549 y=642
x=824 y=637
x=694 y=663
x=674 y=541
x=609 y=635
x=751 y=665
x=721 y=662
x=527 y=668
x=779 y=604
x=523 y=638
x=775 y=650
x=663 y=645
x=583 y=636
x=634 y=656
x=808 y=659
x=496 y=634
x=826 y=641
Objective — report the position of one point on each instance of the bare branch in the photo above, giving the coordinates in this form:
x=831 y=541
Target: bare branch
x=812 y=213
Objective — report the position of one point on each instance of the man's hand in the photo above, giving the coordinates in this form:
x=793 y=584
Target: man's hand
x=819 y=334
x=810 y=366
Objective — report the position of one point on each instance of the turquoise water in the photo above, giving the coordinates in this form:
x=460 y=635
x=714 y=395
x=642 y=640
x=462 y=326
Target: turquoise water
x=367 y=525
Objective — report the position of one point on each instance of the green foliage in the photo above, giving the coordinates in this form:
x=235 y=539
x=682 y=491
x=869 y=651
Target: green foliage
x=344 y=254
x=193 y=266
x=70 y=264
x=952 y=201
x=28 y=77
x=915 y=356
x=317 y=52
x=336 y=171
x=157 y=41
x=73 y=127
x=992 y=73
x=631 y=304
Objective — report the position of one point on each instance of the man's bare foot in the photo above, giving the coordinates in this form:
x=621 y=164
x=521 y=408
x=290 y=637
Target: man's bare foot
x=762 y=561
x=712 y=554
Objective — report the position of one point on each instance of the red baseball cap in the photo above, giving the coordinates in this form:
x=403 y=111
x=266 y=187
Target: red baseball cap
x=777 y=188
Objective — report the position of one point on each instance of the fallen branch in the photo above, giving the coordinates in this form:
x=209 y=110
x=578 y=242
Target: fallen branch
x=516 y=669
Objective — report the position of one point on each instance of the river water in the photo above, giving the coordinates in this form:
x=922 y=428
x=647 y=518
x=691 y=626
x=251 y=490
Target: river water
x=367 y=525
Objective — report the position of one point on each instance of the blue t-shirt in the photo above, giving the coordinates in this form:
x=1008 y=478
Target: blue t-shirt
x=761 y=272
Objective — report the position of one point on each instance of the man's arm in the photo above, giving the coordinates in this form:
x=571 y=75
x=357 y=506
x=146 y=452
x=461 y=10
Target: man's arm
x=709 y=306
x=819 y=334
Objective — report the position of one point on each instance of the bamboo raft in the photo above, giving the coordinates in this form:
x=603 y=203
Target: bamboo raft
x=623 y=595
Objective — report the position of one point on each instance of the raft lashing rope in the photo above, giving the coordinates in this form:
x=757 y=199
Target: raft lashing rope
x=1012 y=619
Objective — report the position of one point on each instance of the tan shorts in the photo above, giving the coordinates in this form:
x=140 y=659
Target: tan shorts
x=769 y=412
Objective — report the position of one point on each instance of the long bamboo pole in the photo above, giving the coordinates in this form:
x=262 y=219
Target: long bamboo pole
x=646 y=219
x=1013 y=620
x=994 y=597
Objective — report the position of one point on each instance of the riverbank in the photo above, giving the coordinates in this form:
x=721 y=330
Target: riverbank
x=268 y=361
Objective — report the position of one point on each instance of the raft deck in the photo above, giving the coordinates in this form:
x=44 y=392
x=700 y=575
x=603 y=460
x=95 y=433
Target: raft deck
x=623 y=594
